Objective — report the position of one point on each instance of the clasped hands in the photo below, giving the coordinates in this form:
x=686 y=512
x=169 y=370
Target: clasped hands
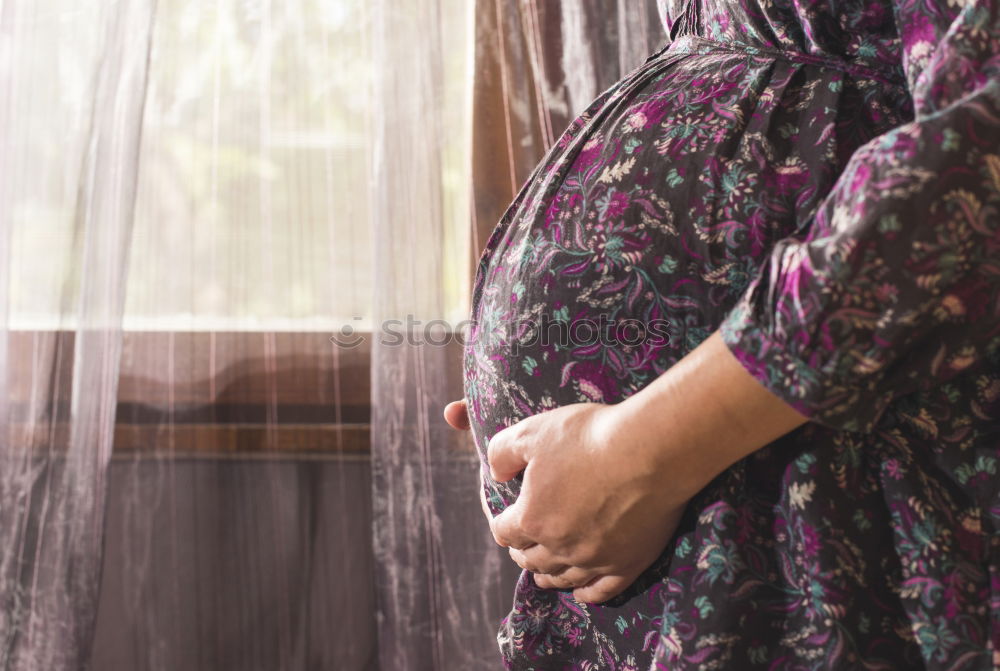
x=595 y=507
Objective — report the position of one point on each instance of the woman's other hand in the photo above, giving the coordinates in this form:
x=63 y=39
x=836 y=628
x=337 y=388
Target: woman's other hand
x=456 y=414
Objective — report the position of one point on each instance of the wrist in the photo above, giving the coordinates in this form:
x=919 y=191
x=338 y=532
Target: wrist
x=659 y=442
x=700 y=417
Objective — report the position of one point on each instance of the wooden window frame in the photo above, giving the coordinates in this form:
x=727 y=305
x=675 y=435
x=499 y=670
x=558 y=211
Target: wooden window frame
x=215 y=394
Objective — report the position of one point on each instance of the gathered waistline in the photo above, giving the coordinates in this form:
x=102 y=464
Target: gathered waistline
x=696 y=44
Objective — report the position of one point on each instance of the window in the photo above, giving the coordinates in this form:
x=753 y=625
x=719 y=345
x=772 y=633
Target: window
x=252 y=239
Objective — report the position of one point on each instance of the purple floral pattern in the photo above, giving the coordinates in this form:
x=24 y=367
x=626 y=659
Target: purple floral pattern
x=820 y=181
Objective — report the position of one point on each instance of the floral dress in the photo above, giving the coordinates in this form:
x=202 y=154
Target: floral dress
x=819 y=180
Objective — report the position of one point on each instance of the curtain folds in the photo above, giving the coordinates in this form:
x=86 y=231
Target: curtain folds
x=438 y=573
x=59 y=405
x=236 y=246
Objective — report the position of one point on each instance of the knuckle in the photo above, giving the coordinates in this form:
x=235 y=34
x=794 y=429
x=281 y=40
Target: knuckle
x=564 y=582
x=516 y=435
x=544 y=581
x=497 y=534
x=533 y=527
x=584 y=555
x=496 y=443
x=549 y=568
x=562 y=539
x=521 y=430
x=518 y=557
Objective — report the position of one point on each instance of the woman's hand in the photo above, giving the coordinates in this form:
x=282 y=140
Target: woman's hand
x=596 y=506
x=591 y=516
x=605 y=485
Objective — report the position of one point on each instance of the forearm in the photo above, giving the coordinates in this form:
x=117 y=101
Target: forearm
x=701 y=416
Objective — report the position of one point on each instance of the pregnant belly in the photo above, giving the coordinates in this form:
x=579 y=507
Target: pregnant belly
x=645 y=223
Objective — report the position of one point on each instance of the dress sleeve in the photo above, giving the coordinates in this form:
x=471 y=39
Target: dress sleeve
x=894 y=287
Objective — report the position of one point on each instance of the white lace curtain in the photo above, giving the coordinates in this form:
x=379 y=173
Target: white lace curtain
x=210 y=457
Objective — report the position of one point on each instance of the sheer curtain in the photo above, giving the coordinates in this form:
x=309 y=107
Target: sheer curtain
x=236 y=242
x=70 y=129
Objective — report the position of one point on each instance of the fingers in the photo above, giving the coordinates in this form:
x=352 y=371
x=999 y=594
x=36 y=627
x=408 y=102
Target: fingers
x=456 y=414
x=505 y=455
x=537 y=560
x=602 y=589
x=571 y=578
x=506 y=528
